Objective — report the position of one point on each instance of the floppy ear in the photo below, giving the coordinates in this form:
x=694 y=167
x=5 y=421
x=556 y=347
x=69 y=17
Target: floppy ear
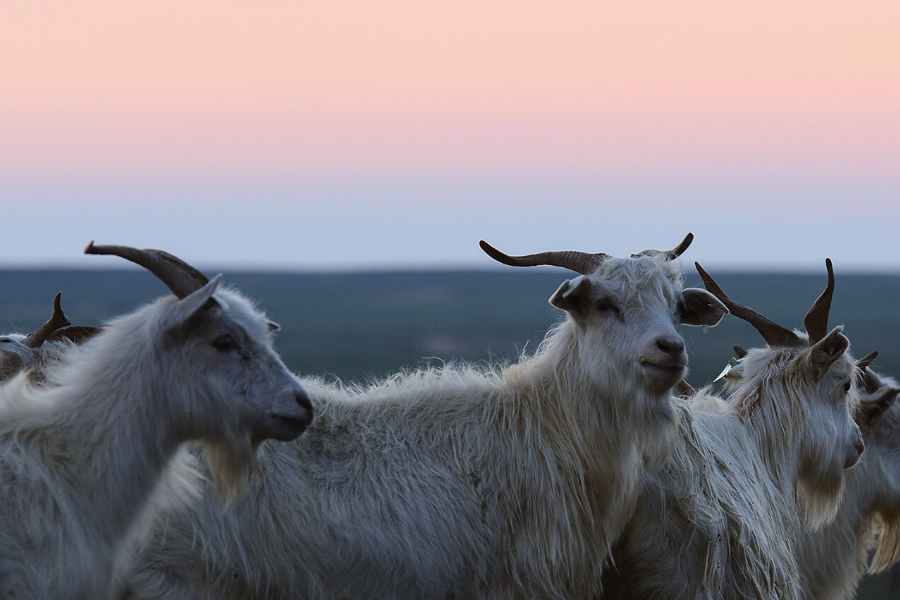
x=701 y=308
x=827 y=350
x=573 y=296
x=178 y=314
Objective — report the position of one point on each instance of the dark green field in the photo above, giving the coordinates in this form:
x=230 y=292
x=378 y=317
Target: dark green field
x=364 y=325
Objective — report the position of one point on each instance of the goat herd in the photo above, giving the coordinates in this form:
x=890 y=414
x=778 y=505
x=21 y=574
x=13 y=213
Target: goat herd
x=585 y=470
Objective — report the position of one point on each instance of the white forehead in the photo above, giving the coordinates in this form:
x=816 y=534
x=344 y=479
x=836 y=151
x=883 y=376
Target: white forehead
x=244 y=313
x=640 y=278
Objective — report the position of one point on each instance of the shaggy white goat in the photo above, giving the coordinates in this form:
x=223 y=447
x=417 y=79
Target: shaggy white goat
x=34 y=351
x=748 y=475
x=461 y=482
x=81 y=458
x=834 y=559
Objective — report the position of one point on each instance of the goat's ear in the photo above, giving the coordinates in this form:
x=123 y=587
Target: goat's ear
x=178 y=314
x=827 y=350
x=273 y=326
x=701 y=308
x=873 y=405
x=573 y=296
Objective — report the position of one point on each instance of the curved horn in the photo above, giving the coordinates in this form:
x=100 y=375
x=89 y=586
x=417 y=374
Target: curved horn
x=816 y=321
x=77 y=334
x=56 y=321
x=178 y=276
x=773 y=333
x=669 y=254
x=866 y=360
x=583 y=263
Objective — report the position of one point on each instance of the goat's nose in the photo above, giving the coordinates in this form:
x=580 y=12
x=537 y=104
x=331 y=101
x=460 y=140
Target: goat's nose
x=670 y=345
x=302 y=398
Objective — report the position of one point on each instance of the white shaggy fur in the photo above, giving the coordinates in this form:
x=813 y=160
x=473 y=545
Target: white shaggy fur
x=747 y=477
x=458 y=482
x=82 y=457
x=834 y=559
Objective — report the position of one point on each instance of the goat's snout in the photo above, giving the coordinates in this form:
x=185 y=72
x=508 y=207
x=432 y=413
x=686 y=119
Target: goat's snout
x=290 y=415
x=859 y=447
x=673 y=346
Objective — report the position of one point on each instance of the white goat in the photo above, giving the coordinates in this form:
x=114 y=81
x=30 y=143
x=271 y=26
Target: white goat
x=81 y=458
x=749 y=475
x=34 y=351
x=461 y=482
x=834 y=559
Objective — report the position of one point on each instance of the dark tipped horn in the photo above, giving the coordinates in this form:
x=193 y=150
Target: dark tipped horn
x=866 y=360
x=583 y=263
x=178 y=276
x=56 y=321
x=773 y=333
x=669 y=254
x=77 y=334
x=816 y=321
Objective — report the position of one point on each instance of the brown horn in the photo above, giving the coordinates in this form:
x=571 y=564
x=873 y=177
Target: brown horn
x=670 y=254
x=57 y=320
x=866 y=360
x=583 y=263
x=773 y=333
x=77 y=334
x=816 y=321
x=178 y=276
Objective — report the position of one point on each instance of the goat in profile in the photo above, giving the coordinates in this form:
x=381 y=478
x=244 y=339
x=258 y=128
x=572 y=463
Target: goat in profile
x=833 y=559
x=461 y=482
x=749 y=474
x=81 y=458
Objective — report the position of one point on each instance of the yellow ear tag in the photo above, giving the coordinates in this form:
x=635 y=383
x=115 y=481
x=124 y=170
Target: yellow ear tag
x=731 y=364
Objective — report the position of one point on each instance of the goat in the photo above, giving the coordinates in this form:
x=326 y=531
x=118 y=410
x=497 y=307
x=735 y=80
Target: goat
x=460 y=482
x=34 y=351
x=833 y=559
x=748 y=474
x=81 y=458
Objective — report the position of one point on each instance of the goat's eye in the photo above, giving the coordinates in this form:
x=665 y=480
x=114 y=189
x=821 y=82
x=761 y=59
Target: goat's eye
x=680 y=307
x=224 y=343
x=606 y=305
x=846 y=386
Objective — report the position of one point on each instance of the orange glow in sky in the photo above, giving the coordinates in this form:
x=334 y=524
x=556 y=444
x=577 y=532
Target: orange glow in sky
x=464 y=87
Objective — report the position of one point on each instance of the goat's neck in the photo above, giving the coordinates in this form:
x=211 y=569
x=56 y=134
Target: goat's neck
x=117 y=444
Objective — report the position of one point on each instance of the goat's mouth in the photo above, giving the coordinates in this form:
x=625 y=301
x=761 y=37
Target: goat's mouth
x=666 y=373
x=285 y=427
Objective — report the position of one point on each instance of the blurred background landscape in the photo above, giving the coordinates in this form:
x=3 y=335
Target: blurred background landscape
x=365 y=325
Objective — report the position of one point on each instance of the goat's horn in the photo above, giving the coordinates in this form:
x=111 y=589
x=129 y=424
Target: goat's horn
x=77 y=334
x=57 y=320
x=179 y=276
x=670 y=254
x=866 y=360
x=816 y=321
x=773 y=333
x=583 y=263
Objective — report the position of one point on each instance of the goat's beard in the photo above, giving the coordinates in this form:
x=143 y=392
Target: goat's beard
x=232 y=466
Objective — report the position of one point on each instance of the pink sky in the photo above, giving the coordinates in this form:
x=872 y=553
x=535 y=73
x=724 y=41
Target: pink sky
x=407 y=87
x=265 y=133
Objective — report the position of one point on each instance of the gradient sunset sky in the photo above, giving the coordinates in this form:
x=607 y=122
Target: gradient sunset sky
x=350 y=134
